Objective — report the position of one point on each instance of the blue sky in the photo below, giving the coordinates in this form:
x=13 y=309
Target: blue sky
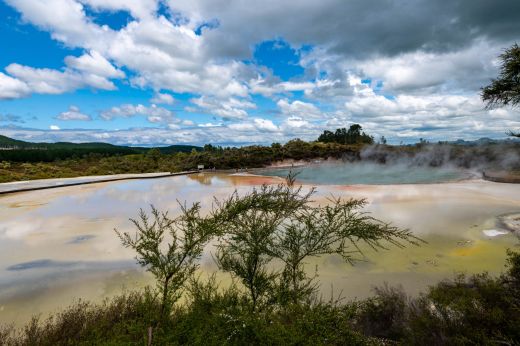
x=157 y=72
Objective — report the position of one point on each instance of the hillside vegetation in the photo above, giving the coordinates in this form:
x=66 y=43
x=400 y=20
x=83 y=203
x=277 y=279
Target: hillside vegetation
x=21 y=151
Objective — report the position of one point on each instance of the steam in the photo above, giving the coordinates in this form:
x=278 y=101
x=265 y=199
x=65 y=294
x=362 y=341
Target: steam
x=478 y=158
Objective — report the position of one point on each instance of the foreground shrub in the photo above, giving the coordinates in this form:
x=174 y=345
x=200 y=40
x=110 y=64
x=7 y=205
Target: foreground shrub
x=210 y=318
x=474 y=310
x=121 y=320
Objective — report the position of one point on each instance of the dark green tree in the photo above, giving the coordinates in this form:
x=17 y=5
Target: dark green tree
x=353 y=135
x=505 y=90
x=154 y=155
x=249 y=224
x=169 y=248
x=336 y=228
x=327 y=137
x=279 y=224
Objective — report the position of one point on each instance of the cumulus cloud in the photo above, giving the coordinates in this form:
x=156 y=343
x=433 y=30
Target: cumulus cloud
x=163 y=54
x=73 y=113
x=299 y=109
x=435 y=117
x=272 y=86
x=65 y=19
x=153 y=114
x=94 y=63
x=12 y=88
x=231 y=108
x=265 y=125
x=426 y=72
x=162 y=98
x=355 y=28
x=89 y=70
x=43 y=80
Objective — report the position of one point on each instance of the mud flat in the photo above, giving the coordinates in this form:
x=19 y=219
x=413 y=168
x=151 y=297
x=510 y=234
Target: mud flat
x=510 y=222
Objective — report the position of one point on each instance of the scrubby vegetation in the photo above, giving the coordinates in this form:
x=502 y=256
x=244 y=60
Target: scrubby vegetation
x=475 y=310
x=276 y=227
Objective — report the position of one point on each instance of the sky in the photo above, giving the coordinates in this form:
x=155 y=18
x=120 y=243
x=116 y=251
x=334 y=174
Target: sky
x=236 y=72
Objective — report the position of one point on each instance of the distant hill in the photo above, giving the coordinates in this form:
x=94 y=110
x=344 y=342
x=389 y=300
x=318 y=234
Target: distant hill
x=21 y=151
x=486 y=141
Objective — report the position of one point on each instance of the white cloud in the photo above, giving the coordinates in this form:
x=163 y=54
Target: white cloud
x=73 y=113
x=164 y=55
x=12 y=88
x=89 y=70
x=95 y=64
x=153 y=114
x=428 y=72
x=296 y=122
x=66 y=21
x=269 y=87
x=231 y=108
x=161 y=98
x=299 y=108
x=43 y=80
x=265 y=124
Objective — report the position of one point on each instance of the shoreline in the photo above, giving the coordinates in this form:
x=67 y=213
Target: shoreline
x=51 y=183
x=501 y=177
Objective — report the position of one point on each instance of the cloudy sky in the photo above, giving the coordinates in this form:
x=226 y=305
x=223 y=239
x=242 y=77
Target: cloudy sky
x=234 y=72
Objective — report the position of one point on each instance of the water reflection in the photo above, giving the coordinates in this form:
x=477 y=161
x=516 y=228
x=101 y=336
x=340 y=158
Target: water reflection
x=59 y=244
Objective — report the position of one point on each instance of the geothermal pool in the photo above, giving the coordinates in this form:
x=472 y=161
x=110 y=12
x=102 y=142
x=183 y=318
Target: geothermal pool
x=59 y=245
x=339 y=173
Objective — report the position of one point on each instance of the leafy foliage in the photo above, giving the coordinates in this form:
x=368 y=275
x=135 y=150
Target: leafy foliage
x=336 y=228
x=475 y=310
x=171 y=262
x=280 y=224
x=353 y=135
x=505 y=90
x=249 y=223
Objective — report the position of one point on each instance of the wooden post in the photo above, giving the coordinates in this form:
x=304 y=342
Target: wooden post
x=149 y=336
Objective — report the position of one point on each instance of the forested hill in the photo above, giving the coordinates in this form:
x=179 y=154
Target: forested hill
x=21 y=151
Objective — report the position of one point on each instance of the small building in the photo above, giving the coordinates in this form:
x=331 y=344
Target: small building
x=200 y=167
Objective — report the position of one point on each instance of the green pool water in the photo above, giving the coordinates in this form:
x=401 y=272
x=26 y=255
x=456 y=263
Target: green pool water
x=368 y=173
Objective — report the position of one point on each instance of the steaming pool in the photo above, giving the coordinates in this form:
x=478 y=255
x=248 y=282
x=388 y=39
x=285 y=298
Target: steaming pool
x=58 y=245
x=339 y=173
